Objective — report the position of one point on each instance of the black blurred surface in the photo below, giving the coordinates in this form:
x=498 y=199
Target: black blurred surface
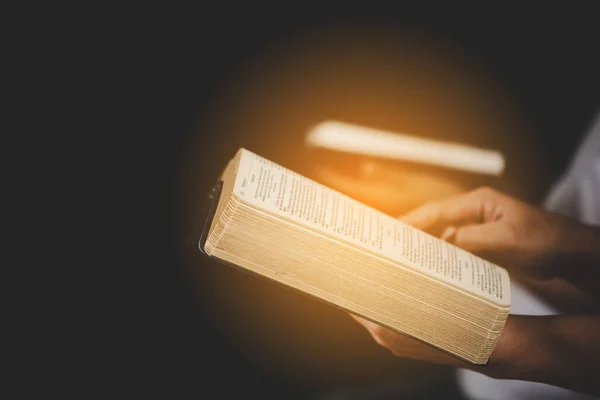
x=167 y=71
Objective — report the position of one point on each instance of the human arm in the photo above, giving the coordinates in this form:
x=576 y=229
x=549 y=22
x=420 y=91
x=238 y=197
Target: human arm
x=556 y=256
x=558 y=350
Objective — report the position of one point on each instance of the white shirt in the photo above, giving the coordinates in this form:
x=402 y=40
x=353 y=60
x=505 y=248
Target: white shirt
x=576 y=194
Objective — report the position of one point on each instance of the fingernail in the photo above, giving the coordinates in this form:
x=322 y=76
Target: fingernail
x=448 y=234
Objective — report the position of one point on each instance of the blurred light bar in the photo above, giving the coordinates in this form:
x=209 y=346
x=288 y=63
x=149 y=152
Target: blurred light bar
x=344 y=137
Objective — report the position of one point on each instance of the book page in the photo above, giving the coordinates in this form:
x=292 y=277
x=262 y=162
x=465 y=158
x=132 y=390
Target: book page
x=344 y=137
x=282 y=192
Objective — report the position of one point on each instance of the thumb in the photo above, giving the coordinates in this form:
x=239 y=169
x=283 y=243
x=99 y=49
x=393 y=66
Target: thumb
x=488 y=238
x=466 y=208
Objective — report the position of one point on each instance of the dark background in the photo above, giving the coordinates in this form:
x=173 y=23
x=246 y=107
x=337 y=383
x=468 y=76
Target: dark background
x=158 y=74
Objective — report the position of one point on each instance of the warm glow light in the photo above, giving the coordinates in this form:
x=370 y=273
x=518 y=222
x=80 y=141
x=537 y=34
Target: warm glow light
x=344 y=137
x=393 y=79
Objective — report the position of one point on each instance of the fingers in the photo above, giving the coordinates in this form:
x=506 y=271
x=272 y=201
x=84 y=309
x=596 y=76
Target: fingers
x=403 y=346
x=468 y=208
x=380 y=334
x=489 y=238
x=448 y=234
x=364 y=322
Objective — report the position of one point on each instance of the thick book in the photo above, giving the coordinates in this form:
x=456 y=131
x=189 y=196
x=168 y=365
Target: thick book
x=283 y=226
x=342 y=137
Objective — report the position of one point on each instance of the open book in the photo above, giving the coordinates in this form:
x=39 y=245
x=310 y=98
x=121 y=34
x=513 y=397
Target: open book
x=280 y=225
x=347 y=138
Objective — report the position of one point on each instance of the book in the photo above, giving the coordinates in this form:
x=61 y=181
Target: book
x=348 y=138
x=277 y=224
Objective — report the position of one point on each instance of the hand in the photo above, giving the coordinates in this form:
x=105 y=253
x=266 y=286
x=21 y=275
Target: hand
x=541 y=245
x=508 y=232
x=529 y=348
x=406 y=347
